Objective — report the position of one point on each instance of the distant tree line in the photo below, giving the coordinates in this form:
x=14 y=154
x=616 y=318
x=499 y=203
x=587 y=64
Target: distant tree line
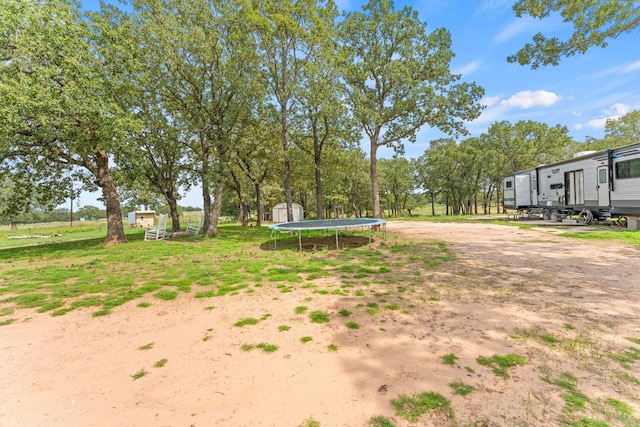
x=253 y=101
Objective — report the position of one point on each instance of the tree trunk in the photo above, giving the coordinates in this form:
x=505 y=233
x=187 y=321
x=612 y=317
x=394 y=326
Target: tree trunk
x=317 y=159
x=115 y=227
x=259 y=205
x=204 y=177
x=173 y=209
x=212 y=231
x=373 y=168
x=244 y=213
x=433 y=204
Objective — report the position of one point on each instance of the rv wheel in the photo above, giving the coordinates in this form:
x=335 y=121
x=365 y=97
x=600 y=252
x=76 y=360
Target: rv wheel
x=545 y=214
x=553 y=215
x=622 y=221
x=585 y=217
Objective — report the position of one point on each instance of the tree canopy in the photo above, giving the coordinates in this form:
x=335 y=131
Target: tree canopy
x=595 y=23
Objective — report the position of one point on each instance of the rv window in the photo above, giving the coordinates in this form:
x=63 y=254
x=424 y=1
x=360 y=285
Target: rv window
x=602 y=175
x=508 y=184
x=628 y=169
x=555 y=186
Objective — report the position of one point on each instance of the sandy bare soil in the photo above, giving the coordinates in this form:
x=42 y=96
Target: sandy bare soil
x=506 y=288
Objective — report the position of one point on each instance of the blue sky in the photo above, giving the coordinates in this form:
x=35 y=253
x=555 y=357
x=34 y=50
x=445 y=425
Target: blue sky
x=580 y=93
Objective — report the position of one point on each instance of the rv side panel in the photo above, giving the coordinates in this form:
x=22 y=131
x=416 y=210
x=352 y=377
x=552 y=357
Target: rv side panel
x=625 y=197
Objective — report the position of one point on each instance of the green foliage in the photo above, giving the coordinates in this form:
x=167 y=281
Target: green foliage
x=344 y=313
x=594 y=24
x=301 y=309
x=412 y=407
x=166 y=294
x=306 y=339
x=352 y=325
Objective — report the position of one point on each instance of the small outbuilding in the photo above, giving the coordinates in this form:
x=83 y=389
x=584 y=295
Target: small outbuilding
x=142 y=219
x=280 y=212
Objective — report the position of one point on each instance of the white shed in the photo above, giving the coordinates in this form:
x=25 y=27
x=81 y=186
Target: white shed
x=142 y=218
x=280 y=212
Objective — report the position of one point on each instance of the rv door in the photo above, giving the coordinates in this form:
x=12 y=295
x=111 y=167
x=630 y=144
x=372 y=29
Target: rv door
x=603 y=186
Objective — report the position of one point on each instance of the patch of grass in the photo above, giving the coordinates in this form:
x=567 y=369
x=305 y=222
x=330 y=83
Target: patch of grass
x=283 y=328
x=500 y=364
x=630 y=356
x=469 y=369
x=587 y=422
x=141 y=373
x=147 y=346
x=306 y=339
x=574 y=399
x=247 y=321
x=569 y=326
x=621 y=409
x=144 y=304
x=344 y=313
x=166 y=294
x=7 y=322
x=380 y=421
x=333 y=347
x=160 y=363
x=319 y=316
x=449 y=359
x=6 y=311
x=267 y=348
x=352 y=325
x=549 y=339
x=391 y=307
x=301 y=309
x=414 y=406
x=633 y=340
x=461 y=388
x=310 y=422
x=247 y=347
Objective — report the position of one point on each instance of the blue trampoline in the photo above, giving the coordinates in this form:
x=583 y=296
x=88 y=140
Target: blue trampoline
x=326 y=224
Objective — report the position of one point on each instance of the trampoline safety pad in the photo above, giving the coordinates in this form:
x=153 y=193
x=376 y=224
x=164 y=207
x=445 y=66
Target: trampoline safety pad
x=325 y=224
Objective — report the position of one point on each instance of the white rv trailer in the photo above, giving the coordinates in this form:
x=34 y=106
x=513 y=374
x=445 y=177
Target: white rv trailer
x=591 y=185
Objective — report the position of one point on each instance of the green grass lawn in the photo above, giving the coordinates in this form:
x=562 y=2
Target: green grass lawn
x=61 y=276
x=58 y=277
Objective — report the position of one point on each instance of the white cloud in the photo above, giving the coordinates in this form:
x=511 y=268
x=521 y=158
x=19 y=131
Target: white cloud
x=618 y=109
x=489 y=6
x=599 y=123
x=614 y=112
x=490 y=101
x=631 y=67
x=579 y=126
x=465 y=70
x=519 y=26
x=528 y=99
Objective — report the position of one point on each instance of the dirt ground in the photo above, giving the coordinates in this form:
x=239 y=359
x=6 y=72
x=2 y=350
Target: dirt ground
x=505 y=291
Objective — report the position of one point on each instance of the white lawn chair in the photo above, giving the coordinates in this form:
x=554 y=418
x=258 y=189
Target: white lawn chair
x=158 y=231
x=194 y=228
